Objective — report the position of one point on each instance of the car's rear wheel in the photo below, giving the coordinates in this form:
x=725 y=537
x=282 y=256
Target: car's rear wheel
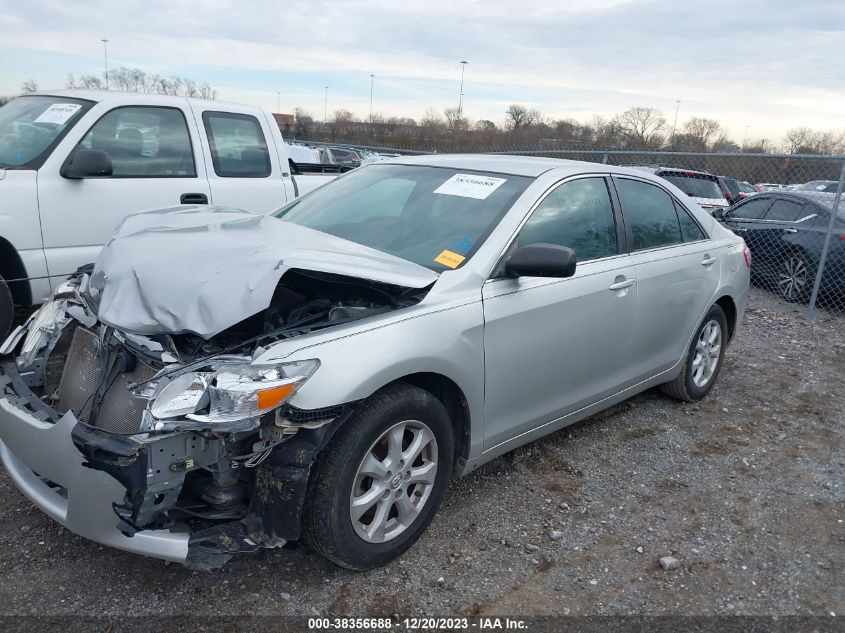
x=795 y=277
x=7 y=309
x=381 y=479
x=703 y=359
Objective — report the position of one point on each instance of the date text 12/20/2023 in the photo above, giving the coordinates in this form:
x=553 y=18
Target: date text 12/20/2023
x=416 y=624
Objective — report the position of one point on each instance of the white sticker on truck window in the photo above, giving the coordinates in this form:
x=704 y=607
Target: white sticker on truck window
x=470 y=186
x=58 y=113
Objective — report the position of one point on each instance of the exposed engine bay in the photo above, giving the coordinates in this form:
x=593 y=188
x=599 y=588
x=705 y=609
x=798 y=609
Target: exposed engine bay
x=202 y=438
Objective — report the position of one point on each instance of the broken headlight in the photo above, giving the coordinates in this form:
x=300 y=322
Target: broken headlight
x=232 y=391
x=45 y=323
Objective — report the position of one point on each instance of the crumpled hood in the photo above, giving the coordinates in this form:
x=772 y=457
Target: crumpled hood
x=203 y=269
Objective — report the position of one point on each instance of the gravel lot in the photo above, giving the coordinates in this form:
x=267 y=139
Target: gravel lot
x=744 y=489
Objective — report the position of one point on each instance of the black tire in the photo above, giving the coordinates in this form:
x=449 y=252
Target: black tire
x=684 y=387
x=326 y=522
x=7 y=309
x=801 y=286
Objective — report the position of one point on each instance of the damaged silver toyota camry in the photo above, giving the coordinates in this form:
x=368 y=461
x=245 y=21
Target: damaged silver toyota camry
x=220 y=382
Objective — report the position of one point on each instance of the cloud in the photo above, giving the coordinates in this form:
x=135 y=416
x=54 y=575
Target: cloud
x=762 y=63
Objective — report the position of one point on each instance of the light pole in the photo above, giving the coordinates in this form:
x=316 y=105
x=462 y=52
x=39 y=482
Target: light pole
x=326 y=105
x=461 y=96
x=106 y=60
x=745 y=137
x=372 y=81
x=278 y=102
x=677 y=107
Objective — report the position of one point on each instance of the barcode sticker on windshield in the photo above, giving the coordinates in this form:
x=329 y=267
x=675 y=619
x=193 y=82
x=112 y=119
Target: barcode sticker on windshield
x=58 y=113
x=470 y=186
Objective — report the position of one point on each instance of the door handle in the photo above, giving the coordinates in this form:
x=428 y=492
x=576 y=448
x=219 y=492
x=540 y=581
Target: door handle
x=193 y=198
x=621 y=285
x=790 y=230
x=708 y=261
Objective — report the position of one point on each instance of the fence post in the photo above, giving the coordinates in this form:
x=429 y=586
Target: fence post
x=604 y=158
x=811 y=307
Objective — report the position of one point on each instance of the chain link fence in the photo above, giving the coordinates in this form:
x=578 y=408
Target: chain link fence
x=785 y=206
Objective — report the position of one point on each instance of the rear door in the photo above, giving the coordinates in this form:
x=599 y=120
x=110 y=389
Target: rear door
x=677 y=268
x=243 y=171
x=154 y=152
x=553 y=346
x=746 y=220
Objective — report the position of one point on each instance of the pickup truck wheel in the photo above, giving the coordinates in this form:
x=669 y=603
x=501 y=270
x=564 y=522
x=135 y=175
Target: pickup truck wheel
x=378 y=484
x=7 y=309
x=703 y=359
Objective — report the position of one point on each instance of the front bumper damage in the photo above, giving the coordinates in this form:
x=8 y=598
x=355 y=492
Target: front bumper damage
x=125 y=490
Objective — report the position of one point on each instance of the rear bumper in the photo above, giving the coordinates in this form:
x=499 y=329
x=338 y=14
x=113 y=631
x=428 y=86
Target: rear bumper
x=33 y=450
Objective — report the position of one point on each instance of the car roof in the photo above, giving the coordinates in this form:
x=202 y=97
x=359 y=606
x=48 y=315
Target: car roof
x=532 y=166
x=100 y=96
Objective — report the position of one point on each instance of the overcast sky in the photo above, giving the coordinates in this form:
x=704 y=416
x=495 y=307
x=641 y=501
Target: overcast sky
x=770 y=65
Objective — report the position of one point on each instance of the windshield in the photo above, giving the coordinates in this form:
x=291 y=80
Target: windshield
x=432 y=216
x=30 y=127
x=816 y=185
x=695 y=186
x=744 y=187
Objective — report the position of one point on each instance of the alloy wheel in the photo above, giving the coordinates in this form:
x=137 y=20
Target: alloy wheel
x=708 y=348
x=394 y=481
x=792 y=281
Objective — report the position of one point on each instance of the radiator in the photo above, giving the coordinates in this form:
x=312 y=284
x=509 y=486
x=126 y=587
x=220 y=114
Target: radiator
x=120 y=411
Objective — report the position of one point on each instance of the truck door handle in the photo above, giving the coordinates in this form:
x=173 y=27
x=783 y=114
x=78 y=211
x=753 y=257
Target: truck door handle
x=790 y=230
x=708 y=261
x=621 y=285
x=193 y=198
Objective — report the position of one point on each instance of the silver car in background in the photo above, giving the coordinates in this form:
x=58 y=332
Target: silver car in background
x=220 y=382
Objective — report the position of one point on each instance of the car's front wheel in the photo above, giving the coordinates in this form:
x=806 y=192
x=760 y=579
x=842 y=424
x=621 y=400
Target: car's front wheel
x=381 y=479
x=703 y=359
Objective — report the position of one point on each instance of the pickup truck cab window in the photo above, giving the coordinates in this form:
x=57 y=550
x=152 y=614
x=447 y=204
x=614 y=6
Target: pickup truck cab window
x=577 y=214
x=144 y=142
x=31 y=127
x=238 y=146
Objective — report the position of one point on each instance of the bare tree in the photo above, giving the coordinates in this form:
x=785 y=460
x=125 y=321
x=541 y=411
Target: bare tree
x=641 y=127
x=303 y=122
x=518 y=117
x=455 y=121
x=137 y=80
x=701 y=132
x=4 y=99
x=29 y=86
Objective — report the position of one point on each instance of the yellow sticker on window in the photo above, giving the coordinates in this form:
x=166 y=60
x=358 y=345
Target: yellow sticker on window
x=449 y=259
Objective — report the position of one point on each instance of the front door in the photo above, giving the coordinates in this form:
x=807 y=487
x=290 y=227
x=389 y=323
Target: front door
x=152 y=149
x=553 y=346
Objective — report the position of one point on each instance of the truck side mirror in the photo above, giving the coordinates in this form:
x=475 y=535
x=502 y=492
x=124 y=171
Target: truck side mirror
x=87 y=163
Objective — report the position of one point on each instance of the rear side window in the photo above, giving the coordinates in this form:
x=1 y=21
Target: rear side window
x=651 y=213
x=144 y=142
x=784 y=211
x=238 y=147
x=754 y=209
x=690 y=230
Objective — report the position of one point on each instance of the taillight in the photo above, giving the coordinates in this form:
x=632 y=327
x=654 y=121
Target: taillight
x=747 y=255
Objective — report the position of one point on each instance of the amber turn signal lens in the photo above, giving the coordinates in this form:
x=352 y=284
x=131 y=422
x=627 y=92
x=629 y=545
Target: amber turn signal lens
x=273 y=397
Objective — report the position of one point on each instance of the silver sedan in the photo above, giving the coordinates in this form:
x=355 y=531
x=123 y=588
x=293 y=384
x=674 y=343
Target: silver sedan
x=220 y=382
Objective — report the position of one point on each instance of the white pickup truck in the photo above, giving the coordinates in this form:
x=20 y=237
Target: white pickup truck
x=74 y=163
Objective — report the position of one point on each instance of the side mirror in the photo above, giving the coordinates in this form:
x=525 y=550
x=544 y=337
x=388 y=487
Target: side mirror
x=721 y=214
x=541 y=260
x=87 y=163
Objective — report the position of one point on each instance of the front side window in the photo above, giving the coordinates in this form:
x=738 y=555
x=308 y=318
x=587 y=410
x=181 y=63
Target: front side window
x=651 y=213
x=433 y=216
x=238 y=147
x=144 y=142
x=754 y=209
x=784 y=211
x=31 y=127
x=577 y=214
